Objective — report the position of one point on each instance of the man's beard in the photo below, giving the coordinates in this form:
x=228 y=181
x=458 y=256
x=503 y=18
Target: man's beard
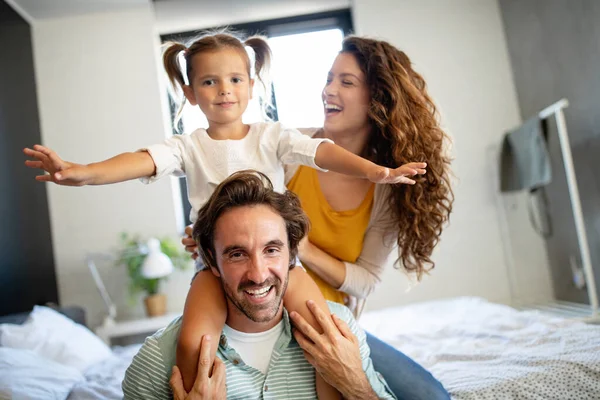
x=256 y=312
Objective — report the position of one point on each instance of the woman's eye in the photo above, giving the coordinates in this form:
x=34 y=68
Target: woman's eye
x=328 y=81
x=347 y=83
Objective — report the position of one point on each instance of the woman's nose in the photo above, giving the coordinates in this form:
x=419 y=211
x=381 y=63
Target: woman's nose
x=330 y=90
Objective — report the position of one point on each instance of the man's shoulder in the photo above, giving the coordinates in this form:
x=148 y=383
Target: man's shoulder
x=341 y=311
x=148 y=375
x=163 y=344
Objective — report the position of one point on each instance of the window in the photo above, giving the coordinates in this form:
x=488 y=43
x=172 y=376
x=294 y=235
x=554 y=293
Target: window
x=303 y=50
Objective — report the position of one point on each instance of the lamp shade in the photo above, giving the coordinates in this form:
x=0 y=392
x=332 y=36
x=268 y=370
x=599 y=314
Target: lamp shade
x=156 y=264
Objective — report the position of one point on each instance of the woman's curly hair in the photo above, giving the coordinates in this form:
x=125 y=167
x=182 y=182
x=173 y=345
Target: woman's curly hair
x=405 y=128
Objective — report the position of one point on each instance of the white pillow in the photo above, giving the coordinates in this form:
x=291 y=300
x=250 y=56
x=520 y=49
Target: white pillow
x=50 y=334
x=26 y=375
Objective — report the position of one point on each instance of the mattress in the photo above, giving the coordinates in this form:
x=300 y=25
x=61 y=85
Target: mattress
x=482 y=350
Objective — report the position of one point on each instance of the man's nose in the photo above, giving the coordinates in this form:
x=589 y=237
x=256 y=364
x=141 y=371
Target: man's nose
x=258 y=271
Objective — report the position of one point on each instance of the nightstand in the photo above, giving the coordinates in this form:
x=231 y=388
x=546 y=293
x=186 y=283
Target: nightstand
x=116 y=329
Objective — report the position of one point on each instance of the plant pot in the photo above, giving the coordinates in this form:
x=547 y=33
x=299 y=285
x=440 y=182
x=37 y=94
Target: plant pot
x=156 y=304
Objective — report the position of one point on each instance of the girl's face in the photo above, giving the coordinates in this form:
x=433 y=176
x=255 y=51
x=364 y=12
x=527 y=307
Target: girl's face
x=346 y=97
x=220 y=85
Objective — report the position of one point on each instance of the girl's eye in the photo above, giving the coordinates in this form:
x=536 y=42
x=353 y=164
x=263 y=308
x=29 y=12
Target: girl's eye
x=236 y=80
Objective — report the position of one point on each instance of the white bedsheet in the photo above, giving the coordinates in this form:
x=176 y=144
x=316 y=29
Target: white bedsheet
x=103 y=380
x=481 y=350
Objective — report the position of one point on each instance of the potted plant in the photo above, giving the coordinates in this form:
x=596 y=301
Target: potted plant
x=133 y=254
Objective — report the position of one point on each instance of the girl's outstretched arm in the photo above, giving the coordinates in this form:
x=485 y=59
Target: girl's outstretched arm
x=204 y=313
x=302 y=288
x=120 y=168
x=335 y=158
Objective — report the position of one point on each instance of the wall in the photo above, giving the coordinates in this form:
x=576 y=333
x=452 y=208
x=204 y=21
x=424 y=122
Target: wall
x=99 y=95
x=554 y=52
x=460 y=49
x=26 y=258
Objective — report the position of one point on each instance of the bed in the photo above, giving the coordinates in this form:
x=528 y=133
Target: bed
x=477 y=349
x=481 y=350
x=49 y=354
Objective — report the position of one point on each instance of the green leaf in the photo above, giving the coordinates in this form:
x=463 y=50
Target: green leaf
x=131 y=256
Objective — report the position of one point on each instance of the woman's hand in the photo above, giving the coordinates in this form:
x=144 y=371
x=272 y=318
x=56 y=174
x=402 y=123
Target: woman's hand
x=208 y=385
x=59 y=171
x=189 y=242
x=397 y=175
x=304 y=247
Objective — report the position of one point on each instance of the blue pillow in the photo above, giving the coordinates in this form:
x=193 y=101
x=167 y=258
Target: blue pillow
x=26 y=375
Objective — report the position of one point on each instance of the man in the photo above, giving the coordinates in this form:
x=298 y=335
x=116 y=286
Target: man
x=249 y=235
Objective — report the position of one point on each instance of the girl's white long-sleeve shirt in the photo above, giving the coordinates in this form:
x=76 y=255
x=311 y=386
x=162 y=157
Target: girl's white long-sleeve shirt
x=206 y=162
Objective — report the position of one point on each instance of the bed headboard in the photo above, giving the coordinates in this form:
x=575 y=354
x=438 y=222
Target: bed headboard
x=77 y=314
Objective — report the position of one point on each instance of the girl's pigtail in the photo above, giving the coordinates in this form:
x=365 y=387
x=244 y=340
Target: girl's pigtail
x=262 y=66
x=173 y=67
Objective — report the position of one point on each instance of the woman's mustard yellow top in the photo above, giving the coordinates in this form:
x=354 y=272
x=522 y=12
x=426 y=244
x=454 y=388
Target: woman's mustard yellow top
x=339 y=233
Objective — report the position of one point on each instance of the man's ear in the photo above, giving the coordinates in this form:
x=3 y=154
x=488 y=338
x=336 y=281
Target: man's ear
x=215 y=272
x=188 y=92
x=214 y=269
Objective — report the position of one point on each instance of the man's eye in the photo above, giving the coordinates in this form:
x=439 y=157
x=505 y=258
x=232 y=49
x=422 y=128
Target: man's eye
x=237 y=254
x=272 y=250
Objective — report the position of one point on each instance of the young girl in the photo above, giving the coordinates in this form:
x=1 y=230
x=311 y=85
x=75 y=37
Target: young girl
x=219 y=78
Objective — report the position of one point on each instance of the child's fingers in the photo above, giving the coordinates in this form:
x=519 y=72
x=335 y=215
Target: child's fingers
x=34 y=164
x=417 y=165
x=44 y=178
x=35 y=154
x=407 y=181
x=43 y=149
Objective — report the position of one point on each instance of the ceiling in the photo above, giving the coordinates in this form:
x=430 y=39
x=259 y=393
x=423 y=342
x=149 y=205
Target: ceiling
x=46 y=9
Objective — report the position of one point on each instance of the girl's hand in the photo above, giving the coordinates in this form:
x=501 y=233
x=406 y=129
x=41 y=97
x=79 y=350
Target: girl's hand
x=189 y=243
x=59 y=171
x=398 y=175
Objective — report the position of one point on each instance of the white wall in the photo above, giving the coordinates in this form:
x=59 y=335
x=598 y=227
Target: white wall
x=460 y=48
x=99 y=95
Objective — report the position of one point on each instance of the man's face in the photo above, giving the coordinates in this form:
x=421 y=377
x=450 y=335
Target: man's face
x=252 y=255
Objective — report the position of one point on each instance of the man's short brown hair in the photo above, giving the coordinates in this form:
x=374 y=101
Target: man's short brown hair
x=248 y=188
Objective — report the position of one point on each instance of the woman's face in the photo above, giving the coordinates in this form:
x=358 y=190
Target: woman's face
x=346 y=97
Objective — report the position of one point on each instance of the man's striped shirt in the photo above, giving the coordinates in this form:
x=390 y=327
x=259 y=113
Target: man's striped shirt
x=289 y=375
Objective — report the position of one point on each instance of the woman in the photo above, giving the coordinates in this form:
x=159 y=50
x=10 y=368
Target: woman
x=378 y=107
